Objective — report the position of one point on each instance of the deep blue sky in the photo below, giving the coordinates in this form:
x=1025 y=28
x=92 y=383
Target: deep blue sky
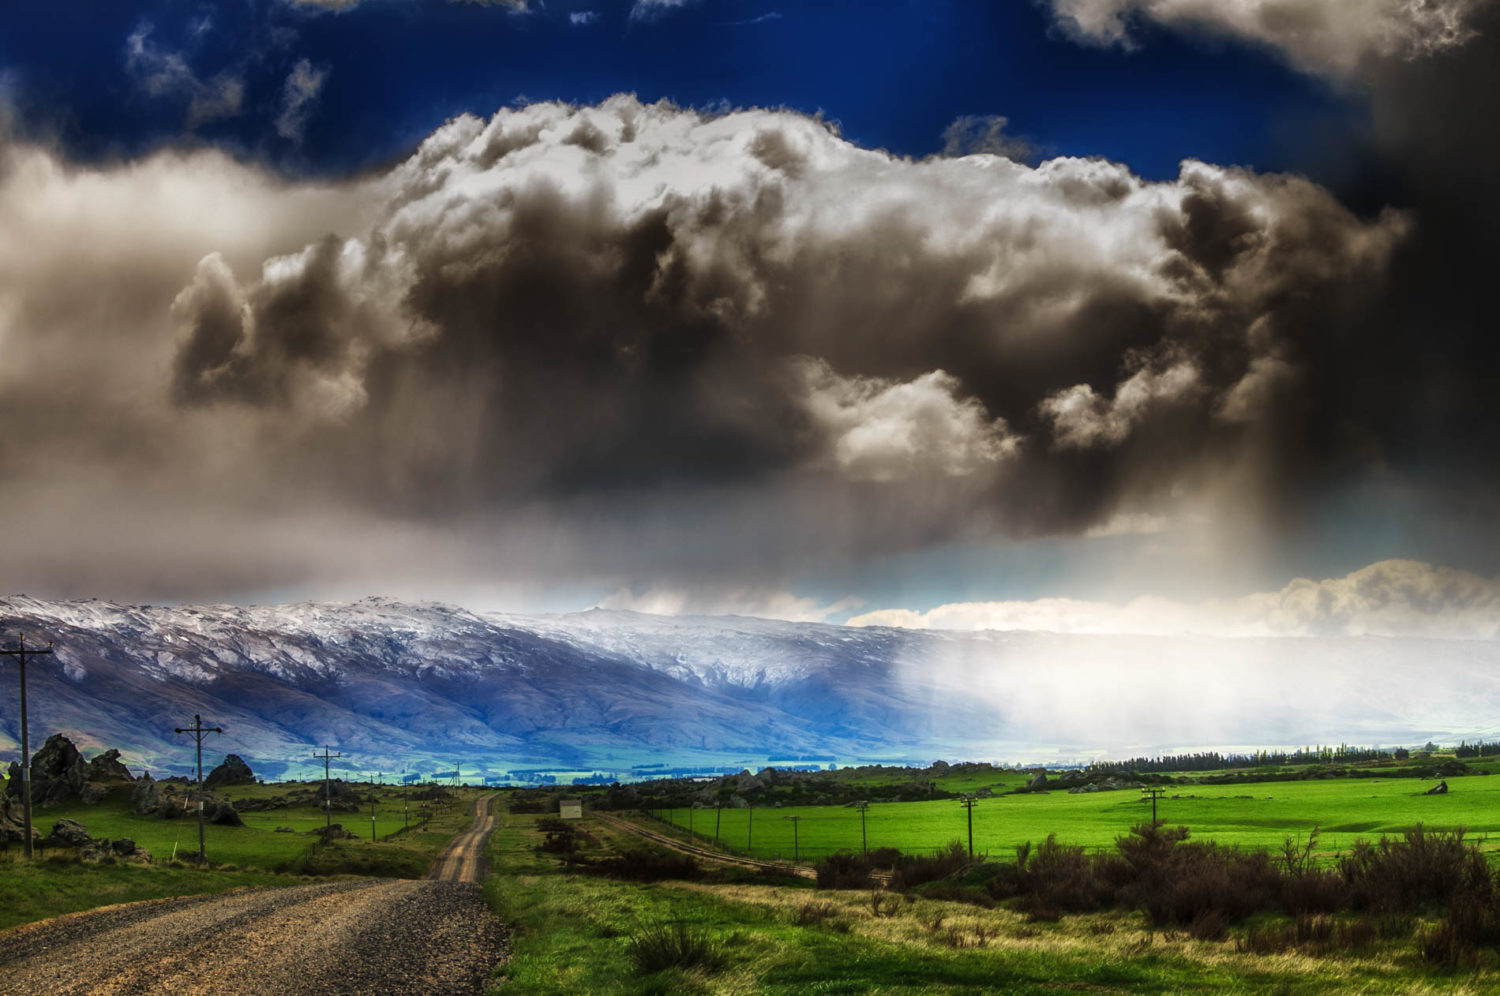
x=892 y=73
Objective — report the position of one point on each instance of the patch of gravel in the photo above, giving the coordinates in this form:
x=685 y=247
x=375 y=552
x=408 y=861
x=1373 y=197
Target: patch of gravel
x=366 y=936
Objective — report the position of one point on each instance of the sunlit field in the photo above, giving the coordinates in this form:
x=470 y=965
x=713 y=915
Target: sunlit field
x=1255 y=815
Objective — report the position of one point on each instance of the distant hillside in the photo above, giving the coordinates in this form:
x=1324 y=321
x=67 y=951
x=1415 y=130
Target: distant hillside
x=426 y=685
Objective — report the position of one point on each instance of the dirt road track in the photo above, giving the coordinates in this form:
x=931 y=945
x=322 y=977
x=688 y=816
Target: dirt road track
x=705 y=853
x=463 y=861
x=329 y=939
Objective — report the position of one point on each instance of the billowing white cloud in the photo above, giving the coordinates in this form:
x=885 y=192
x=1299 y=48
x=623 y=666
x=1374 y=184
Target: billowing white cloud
x=1391 y=598
x=1081 y=418
x=882 y=430
x=1331 y=37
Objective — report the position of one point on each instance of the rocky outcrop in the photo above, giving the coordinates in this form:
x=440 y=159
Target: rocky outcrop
x=13 y=821
x=69 y=833
x=343 y=796
x=1441 y=788
x=107 y=767
x=145 y=798
x=334 y=832
x=233 y=771
x=1037 y=781
x=1106 y=785
x=176 y=800
x=58 y=772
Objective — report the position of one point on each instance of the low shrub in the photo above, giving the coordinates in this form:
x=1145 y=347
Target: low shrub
x=641 y=865
x=1418 y=871
x=843 y=871
x=911 y=871
x=675 y=946
x=814 y=914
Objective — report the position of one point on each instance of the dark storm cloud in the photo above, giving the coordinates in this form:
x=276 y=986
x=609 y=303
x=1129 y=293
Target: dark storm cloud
x=579 y=300
x=637 y=342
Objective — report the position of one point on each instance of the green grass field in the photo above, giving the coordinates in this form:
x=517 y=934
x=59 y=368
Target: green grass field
x=573 y=932
x=257 y=844
x=1255 y=815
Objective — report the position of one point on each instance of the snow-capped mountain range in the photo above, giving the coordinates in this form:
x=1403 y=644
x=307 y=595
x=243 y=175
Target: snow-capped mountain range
x=423 y=686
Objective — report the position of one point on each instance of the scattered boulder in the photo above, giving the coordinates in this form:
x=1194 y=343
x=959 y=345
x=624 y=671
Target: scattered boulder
x=343 y=797
x=69 y=833
x=107 y=768
x=220 y=811
x=1106 y=785
x=233 y=771
x=124 y=848
x=334 y=832
x=1037 y=781
x=145 y=798
x=1441 y=788
x=285 y=830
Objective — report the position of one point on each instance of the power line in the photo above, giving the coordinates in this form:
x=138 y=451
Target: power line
x=198 y=730
x=1153 y=792
x=20 y=654
x=796 y=841
x=967 y=801
x=327 y=792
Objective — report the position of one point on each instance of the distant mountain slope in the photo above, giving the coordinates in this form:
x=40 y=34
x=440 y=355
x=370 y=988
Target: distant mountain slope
x=395 y=684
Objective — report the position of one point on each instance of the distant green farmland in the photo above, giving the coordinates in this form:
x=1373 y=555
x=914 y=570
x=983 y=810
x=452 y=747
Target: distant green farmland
x=1253 y=815
x=257 y=844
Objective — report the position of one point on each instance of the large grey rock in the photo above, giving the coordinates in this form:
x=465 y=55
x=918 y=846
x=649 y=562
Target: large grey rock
x=58 y=772
x=220 y=811
x=13 y=822
x=69 y=833
x=145 y=798
x=233 y=771
x=107 y=767
x=345 y=799
x=1037 y=781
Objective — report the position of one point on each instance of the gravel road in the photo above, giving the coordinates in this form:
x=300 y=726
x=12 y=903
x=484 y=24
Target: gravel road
x=463 y=861
x=330 y=939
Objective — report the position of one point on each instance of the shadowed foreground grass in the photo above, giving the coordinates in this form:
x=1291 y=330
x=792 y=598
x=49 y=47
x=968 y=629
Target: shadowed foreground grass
x=50 y=887
x=582 y=933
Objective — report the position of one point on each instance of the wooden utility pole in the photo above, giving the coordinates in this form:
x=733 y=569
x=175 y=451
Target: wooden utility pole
x=1153 y=792
x=967 y=801
x=198 y=730
x=796 y=842
x=372 y=807
x=864 y=840
x=20 y=654
x=327 y=791
x=405 y=806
